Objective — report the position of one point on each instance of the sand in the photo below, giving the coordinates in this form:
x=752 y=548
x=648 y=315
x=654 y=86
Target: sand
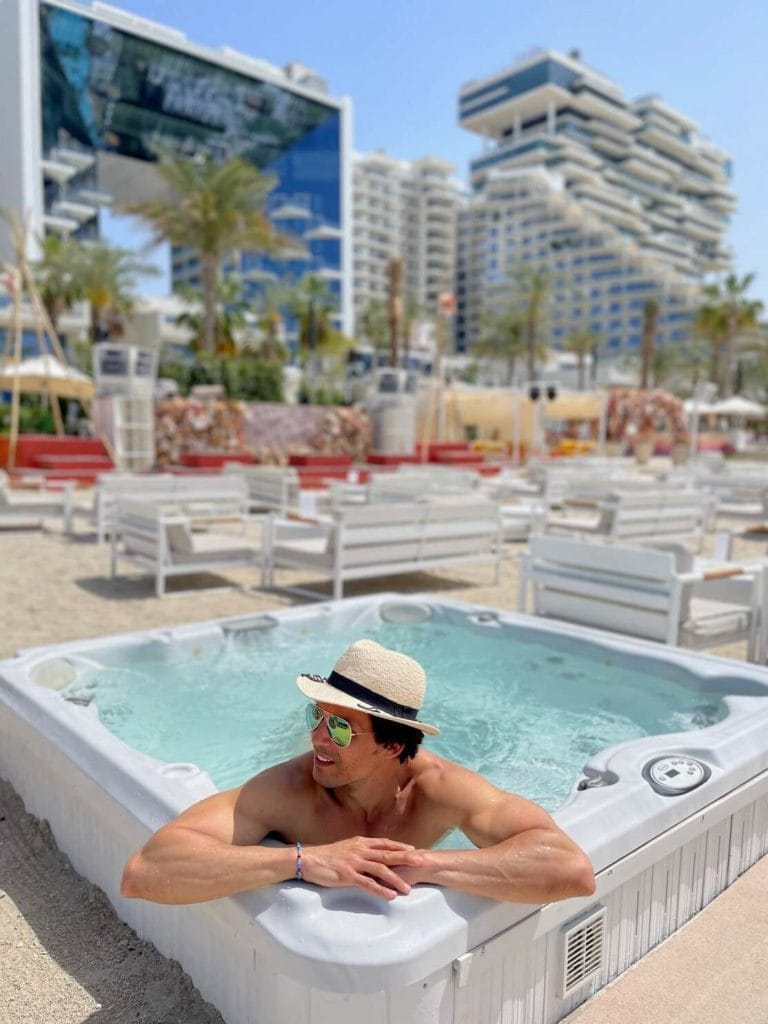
x=64 y=956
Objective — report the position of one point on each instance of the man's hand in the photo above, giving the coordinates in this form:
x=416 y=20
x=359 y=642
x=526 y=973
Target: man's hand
x=363 y=862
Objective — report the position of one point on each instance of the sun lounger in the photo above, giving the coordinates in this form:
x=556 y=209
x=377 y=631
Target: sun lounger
x=635 y=517
x=20 y=508
x=199 y=493
x=639 y=591
x=359 y=542
x=162 y=544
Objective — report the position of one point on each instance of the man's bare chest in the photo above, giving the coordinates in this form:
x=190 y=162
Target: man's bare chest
x=316 y=824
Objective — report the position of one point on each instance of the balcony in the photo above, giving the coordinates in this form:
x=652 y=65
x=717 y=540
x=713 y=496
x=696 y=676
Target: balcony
x=59 y=225
x=323 y=233
x=290 y=211
x=56 y=170
x=77 y=158
x=80 y=212
x=94 y=196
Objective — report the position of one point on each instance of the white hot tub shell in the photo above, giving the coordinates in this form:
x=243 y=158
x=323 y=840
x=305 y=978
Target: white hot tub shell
x=295 y=953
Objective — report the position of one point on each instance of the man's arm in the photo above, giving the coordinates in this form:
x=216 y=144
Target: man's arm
x=211 y=850
x=523 y=856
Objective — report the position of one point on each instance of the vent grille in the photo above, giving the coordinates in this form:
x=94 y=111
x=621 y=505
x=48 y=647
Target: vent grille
x=582 y=950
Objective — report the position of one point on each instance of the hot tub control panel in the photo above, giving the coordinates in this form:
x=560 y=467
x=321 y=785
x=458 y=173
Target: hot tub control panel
x=674 y=774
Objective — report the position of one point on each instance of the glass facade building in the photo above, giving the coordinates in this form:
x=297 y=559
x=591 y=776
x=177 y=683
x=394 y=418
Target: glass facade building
x=115 y=92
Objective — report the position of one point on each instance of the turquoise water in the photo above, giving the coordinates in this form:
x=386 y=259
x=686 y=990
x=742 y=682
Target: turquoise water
x=524 y=714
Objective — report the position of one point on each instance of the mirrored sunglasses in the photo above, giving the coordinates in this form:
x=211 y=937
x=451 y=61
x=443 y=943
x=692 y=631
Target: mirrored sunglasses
x=339 y=729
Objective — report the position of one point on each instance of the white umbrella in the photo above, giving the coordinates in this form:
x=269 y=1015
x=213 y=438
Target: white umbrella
x=690 y=405
x=47 y=375
x=738 y=406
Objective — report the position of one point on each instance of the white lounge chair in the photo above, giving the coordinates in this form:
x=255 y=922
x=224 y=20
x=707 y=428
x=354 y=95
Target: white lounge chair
x=637 y=517
x=21 y=508
x=198 y=493
x=270 y=488
x=359 y=542
x=639 y=591
x=162 y=543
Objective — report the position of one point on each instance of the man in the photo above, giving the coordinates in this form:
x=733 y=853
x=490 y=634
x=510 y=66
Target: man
x=363 y=809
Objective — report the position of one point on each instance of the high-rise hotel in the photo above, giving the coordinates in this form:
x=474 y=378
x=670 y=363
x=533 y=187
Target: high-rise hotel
x=406 y=211
x=617 y=201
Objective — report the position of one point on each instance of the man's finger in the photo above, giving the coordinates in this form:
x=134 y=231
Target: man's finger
x=390 y=878
x=387 y=844
x=371 y=885
x=409 y=857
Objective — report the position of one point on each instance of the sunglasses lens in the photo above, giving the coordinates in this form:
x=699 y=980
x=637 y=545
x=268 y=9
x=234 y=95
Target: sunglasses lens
x=314 y=716
x=340 y=730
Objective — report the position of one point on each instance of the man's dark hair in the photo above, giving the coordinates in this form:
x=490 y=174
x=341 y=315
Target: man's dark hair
x=385 y=731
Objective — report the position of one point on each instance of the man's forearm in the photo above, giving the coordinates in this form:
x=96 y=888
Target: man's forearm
x=188 y=867
x=534 y=868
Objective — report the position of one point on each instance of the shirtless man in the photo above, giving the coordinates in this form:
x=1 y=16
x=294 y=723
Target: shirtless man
x=363 y=809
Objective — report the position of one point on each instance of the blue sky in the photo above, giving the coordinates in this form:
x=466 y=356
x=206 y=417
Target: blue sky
x=402 y=67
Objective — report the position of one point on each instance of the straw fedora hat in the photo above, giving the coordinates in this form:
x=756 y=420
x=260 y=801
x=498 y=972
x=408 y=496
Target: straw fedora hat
x=371 y=678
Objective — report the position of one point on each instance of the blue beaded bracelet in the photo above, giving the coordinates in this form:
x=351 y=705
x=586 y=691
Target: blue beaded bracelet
x=299 y=873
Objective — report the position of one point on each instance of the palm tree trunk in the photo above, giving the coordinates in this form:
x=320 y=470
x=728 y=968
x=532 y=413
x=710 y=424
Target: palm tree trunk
x=530 y=341
x=714 y=364
x=208 y=274
x=729 y=345
x=650 y=324
x=580 y=366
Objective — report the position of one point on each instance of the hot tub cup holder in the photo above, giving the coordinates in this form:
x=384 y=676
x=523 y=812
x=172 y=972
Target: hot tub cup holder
x=179 y=770
x=485 y=619
x=407 y=613
x=596 y=779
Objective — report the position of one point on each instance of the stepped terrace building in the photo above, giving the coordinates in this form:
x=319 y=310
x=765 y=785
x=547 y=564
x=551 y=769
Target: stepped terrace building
x=617 y=201
x=90 y=93
x=404 y=211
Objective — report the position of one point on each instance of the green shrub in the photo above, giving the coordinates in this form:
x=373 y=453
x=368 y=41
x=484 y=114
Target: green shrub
x=34 y=418
x=309 y=395
x=244 y=378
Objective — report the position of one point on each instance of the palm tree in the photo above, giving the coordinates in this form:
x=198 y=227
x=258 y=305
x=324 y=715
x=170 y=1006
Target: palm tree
x=214 y=210
x=533 y=285
x=57 y=274
x=728 y=313
x=271 y=303
x=526 y=293
x=503 y=339
x=109 y=277
x=651 y=309
x=582 y=342
x=709 y=323
x=313 y=304
x=231 y=314
x=374 y=325
x=412 y=312
x=394 y=307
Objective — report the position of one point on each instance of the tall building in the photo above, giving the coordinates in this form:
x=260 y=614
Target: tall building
x=617 y=201
x=403 y=211
x=91 y=92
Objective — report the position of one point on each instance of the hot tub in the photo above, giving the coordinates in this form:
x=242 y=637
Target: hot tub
x=669 y=821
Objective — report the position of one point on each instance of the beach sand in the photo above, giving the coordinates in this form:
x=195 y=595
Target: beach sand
x=65 y=958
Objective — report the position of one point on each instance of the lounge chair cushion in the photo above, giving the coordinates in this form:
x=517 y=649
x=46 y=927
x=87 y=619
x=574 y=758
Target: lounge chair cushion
x=179 y=539
x=710 y=618
x=214 y=547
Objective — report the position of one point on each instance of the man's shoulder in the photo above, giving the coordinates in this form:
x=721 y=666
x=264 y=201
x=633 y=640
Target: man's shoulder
x=439 y=778
x=287 y=776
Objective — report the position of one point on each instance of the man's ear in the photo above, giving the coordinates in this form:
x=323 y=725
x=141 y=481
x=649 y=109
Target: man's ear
x=393 y=749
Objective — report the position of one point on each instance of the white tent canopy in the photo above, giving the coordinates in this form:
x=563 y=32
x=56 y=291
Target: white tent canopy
x=738 y=406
